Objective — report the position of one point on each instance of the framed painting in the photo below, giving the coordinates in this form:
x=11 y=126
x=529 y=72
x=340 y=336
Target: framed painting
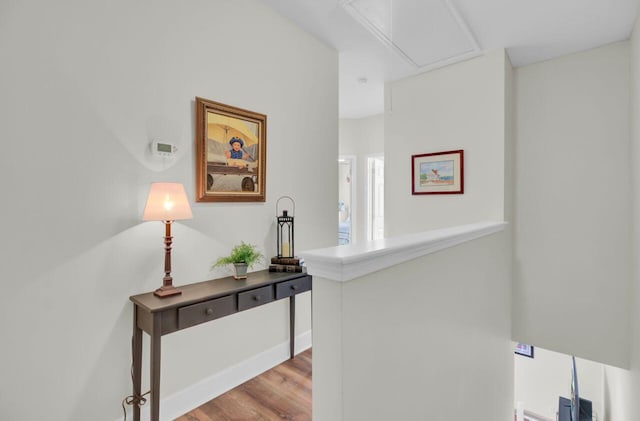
x=438 y=173
x=230 y=150
x=524 y=349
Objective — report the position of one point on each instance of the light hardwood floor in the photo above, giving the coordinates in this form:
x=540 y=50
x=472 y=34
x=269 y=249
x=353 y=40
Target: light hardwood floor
x=282 y=393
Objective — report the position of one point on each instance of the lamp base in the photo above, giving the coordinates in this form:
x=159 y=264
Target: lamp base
x=166 y=291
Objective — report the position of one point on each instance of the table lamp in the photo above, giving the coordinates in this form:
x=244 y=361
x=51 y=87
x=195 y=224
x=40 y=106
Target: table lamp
x=167 y=202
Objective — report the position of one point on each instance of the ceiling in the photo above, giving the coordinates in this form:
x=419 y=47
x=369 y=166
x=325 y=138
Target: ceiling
x=384 y=40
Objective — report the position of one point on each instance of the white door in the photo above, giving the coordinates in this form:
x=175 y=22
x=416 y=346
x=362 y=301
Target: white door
x=375 y=197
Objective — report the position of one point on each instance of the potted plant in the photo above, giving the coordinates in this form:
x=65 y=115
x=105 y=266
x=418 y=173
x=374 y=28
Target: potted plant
x=242 y=256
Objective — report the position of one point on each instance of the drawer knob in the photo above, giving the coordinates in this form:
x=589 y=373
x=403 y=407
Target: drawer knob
x=257 y=297
x=294 y=287
x=208 y=311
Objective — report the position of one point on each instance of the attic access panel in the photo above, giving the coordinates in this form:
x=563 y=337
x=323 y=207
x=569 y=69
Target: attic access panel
x=423 y=32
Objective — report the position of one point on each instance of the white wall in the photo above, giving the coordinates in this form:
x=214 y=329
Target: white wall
x=620 y=399
x=635 y=166
x=572 y=259
x=85 y=85
x=425 y=339
x=540 y=381
x=457 y=107
x=361 y=137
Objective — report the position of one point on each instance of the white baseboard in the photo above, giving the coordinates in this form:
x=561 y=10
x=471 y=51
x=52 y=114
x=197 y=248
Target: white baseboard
x=173 y=406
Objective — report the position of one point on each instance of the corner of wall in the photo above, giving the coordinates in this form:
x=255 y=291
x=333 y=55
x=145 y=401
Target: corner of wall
x=634 y=52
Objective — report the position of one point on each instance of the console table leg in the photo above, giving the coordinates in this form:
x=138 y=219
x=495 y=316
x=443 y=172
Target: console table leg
x=155 y=367
x=292 y=325
x=136 y=354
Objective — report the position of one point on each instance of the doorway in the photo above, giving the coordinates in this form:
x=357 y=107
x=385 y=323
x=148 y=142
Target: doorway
x=346 y=195
x=375 y=197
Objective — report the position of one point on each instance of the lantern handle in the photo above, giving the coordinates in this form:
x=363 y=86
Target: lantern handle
x=292 y=202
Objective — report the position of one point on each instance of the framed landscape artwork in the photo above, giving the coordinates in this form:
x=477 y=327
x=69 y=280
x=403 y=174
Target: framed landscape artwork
x=231 y=150
x=525 y=350
x=438 y=173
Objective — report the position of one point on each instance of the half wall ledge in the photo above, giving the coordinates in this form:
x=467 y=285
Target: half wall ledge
x=344 y=263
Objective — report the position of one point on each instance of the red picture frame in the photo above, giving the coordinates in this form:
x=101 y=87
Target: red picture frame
x=438 y=173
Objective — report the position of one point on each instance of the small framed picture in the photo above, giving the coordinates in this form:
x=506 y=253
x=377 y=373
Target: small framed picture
x=525 y=350
x=438 y=173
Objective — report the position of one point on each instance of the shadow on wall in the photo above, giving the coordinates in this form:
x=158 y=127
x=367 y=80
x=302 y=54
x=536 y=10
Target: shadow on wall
x=76 y=183
x=80 y=334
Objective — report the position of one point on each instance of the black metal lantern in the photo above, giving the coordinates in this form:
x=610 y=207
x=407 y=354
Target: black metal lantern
x=284 y=245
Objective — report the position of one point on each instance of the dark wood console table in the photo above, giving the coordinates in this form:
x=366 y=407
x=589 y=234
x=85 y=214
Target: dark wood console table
x=200 y=303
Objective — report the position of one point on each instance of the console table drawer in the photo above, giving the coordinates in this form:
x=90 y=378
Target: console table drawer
x=203 y=312
x=255 y=297
x=293 y=287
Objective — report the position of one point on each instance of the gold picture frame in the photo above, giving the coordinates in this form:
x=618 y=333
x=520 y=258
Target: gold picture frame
x=231 y=151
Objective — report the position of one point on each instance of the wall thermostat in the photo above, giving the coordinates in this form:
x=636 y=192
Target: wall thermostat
x=163 y=149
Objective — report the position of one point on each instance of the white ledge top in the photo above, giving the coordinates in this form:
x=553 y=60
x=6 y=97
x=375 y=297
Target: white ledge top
x=343 y=263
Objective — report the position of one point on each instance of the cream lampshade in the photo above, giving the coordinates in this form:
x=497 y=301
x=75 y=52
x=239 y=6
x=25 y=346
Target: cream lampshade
x=167 y=202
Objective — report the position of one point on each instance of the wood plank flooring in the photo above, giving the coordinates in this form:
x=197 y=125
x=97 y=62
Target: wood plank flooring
x=282 y=393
